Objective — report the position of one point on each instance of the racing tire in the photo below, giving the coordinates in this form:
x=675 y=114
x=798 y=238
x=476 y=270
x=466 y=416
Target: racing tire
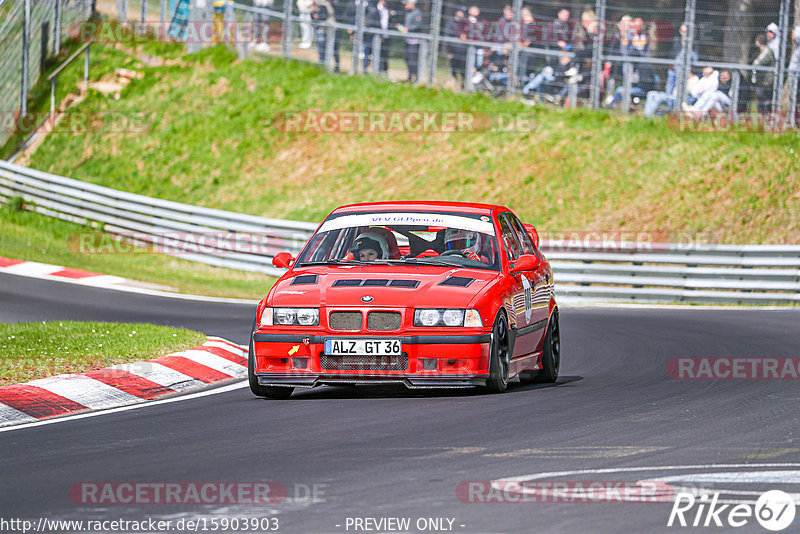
x=273 y=392
x=551 y=353
x=499 y=356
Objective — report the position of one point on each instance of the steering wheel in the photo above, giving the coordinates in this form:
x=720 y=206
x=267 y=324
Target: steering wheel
x=453 y=253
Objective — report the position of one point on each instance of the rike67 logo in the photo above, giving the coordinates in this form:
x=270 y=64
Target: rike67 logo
x=774 y=510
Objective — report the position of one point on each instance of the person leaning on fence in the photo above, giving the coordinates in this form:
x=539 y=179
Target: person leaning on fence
x=262 y=25
x=456 y=52
x=762 y=80
x=306 y=36
x=412 y=23
x=321 y=13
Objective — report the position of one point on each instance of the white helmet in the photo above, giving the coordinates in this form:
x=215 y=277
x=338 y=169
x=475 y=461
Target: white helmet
x=466 y=240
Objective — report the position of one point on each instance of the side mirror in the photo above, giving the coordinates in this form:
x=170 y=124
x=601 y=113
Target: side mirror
x=282 y=260
x=526 y=262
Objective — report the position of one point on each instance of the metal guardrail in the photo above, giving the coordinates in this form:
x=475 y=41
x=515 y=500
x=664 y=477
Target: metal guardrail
x=215 y=237
x=653 y=272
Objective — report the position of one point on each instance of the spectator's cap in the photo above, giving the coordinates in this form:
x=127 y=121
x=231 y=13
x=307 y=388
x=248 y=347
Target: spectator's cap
x=412 y=2
x=463 y=9
x=772 y=27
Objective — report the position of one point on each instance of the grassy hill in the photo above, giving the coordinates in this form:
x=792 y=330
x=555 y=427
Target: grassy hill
x=215 y=137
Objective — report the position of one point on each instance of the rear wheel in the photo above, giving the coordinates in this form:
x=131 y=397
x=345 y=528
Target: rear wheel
x=275 y=392
x=551 y=353
x=499 y=356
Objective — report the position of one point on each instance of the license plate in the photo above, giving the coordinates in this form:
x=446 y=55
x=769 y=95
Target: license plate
x=363 y=347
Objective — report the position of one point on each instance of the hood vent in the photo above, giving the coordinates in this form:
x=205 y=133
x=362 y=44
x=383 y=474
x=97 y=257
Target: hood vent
x=305 y=279
x=378 y=282
x=458 y=281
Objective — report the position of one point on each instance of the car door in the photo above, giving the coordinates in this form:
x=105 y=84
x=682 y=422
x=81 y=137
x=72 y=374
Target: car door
x=539 y=279
x=519 y=303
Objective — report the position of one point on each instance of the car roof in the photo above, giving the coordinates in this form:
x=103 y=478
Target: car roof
x=422 y=205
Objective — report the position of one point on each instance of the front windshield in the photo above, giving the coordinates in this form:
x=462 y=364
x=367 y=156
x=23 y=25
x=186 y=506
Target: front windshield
x=414 y=238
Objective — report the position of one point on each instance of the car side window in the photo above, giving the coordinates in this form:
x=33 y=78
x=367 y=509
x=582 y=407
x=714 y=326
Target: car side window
x=524 y=237
x=509 y=237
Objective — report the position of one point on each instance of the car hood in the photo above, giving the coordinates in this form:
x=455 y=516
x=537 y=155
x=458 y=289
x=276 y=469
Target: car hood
x=418 y=286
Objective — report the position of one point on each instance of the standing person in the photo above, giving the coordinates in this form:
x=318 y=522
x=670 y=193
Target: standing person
x=306 y=37
x=411 y=24
x=762 y=80
x=322 y=13
x=371 y=20
x=773 y=40
x=385 y=16
x=456 y=52
x=262 y=25
x=506 y=32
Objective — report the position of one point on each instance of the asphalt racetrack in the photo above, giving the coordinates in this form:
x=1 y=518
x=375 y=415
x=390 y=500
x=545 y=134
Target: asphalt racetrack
x=346 y=455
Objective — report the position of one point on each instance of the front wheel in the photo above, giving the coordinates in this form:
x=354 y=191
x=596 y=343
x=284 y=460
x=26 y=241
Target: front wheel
x=274 y=392
x=499 y=356
x=551 y=353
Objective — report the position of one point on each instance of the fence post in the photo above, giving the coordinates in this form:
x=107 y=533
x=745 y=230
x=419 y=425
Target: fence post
x=57 y=28
x=358 y=41
x=686 y=55
x=468 y=68
x=330 y=43
x=376 y=54
x=513 y=63
x=162 y=14
x=777 y=83
x=196 y=10
x=86 y=67
x=436 y=31
x=286 y=42
x=26 y=38
x=736 y=80
x=627 y=75
x=143 y=17
x=597 y=53
x=792 y=98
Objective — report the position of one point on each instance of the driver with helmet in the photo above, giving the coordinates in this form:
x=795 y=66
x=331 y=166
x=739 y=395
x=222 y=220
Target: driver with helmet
x=366 y=249
x=375 y=244
x=467 y=243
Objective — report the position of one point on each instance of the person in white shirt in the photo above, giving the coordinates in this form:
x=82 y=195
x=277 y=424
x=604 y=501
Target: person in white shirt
x=773 y=40
x=261 y=37
x=306 y=35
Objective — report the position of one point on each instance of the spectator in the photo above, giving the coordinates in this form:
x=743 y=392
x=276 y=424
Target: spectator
x=304 y=7
x=411 y=24
x=561 y=30
x=529 y=37
x=698 y=87
x=794 y=62
x=505 y=28
x=322 y=12
x=773 y=40
x=456 y=52
x=549 y=75
x=474 y=29
x=372 y=20
x=762 y=80
x=717 y=99
x=262 y=25
x=385 y=16
x=666 y=98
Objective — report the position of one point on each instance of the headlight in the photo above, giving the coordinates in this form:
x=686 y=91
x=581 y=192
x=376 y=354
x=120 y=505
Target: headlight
x=451 y=317
x=295 y=316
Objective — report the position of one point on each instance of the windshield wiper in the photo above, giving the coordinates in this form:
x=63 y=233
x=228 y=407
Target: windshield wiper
x=336 y=262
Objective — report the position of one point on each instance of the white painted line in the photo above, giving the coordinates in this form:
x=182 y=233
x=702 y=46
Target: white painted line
x=773 y=477
x=223 y=389
x=161 y=375
x=226 y=346
x=215 y=362
x=85 y=391
x=101 y=280
x=10 y=415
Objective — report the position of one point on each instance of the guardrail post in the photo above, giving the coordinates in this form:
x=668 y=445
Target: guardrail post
x=436 y=31
x=597 y=54
x=286 y=42
x=468 y=69
x=686 y=54
x=777 y=82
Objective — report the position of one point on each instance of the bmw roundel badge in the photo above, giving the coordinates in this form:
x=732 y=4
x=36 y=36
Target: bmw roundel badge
x=367 y=298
